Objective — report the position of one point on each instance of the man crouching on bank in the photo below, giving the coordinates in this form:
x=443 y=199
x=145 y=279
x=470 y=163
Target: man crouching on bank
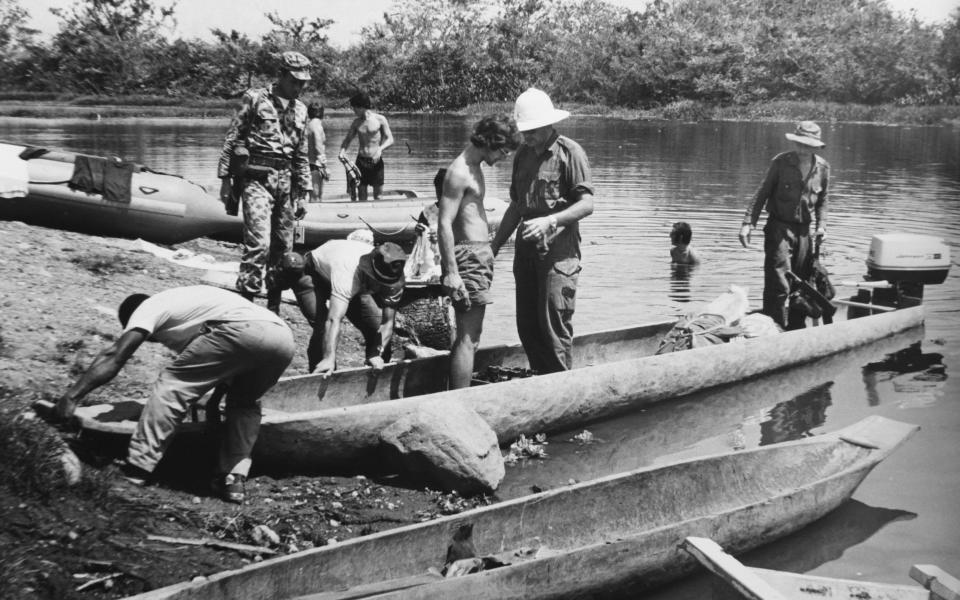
x=219 y=338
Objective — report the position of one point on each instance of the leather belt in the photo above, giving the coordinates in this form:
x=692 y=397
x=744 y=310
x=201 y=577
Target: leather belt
x=267 y=161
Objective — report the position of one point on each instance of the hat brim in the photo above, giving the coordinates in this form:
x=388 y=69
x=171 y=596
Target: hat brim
x=366 y=266
x=549 y=119
x=301 y=75
x=807 y=141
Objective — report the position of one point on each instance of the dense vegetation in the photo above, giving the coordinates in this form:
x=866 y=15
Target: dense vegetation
x=447 y=54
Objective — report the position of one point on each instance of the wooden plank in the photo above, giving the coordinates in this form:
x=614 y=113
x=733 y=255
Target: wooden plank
x=728 y=568
x=804 y=587
x=941 y=584
x=766 y=584
x=875 y=307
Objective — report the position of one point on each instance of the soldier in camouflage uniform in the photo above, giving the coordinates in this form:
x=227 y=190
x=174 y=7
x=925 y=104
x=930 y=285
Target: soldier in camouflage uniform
x=270 y=127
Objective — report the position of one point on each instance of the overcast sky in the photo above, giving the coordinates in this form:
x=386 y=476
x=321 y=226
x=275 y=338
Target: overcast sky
x=197 y=17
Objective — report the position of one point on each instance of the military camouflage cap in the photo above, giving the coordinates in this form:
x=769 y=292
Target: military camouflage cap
x=296 y=64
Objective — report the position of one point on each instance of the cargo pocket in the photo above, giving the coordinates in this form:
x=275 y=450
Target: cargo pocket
x=563 y=283
x=269 y=121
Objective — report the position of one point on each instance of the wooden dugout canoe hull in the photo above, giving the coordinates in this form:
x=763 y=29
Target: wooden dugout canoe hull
x=167 y=209
x=768 y=584
x=345 y=435
x=618 y=534
x=414 y=377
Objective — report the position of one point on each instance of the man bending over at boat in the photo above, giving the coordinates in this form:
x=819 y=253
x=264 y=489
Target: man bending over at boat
x=373 y=137
x=219 y=338
x=274 y=180
x=466 y=257
x=360 y=283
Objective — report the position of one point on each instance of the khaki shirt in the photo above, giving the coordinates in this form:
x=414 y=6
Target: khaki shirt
x=792 y=194
x=548 y=183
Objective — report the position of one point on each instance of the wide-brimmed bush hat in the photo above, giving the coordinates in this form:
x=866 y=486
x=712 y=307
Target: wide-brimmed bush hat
x=807 y=133
x=384 y=264
x=534 y=109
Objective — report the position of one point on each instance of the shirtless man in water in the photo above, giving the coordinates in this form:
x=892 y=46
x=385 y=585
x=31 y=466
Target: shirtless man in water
x=374 y=136
x=463 y=236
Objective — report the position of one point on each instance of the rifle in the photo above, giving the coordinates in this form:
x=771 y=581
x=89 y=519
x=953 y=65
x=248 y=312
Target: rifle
x=819 y=303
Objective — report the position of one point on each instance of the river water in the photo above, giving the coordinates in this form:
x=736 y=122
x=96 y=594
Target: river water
x=649 y=174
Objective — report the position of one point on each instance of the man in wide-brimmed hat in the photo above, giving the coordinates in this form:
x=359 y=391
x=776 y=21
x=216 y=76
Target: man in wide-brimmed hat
x=550 y=192
x=794 y=193
x=361 y=282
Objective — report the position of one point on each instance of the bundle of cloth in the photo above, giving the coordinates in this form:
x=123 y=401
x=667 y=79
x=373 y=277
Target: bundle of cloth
x=722 y=320
x=111 y=177
x=14 y=175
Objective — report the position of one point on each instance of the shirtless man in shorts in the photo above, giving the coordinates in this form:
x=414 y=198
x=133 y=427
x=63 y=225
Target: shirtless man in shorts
x=374 y=136
x=463 y=235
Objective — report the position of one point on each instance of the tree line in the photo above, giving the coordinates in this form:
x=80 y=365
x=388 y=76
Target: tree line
x=447 y=54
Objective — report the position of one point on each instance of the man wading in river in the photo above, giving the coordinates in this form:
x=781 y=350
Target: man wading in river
x=794 y=193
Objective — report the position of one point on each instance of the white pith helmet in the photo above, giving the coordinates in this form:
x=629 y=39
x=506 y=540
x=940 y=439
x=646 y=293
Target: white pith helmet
x=534 y=110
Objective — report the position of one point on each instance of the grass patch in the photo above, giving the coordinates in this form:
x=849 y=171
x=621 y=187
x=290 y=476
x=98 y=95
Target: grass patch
x=143 y=100
x=35 y=448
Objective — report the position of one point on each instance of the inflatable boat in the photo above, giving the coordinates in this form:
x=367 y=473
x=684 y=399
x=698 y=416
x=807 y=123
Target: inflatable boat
x=111 y=197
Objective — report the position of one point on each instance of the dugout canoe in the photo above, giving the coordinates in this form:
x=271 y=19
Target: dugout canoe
x=614 y=535
x=618 y=377
x=316 y=424
x=769 y=584
x=168 y=209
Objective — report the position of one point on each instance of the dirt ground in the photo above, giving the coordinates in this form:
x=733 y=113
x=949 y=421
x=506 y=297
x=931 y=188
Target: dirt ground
x=106 y=538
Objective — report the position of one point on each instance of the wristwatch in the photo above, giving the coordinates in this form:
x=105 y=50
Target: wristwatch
x=553 y=224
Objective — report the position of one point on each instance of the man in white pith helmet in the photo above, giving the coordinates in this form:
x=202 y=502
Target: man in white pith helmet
x=550 y=191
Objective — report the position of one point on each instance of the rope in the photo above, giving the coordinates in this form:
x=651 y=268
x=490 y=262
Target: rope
x=381 y=231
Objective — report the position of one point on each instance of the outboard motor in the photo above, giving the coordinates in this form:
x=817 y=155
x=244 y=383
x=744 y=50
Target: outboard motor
x=905 y=262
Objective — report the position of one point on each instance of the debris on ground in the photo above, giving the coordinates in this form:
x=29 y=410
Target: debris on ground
x=525 y=448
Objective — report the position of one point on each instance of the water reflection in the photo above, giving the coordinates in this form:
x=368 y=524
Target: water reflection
x=680 y=282
x=745 y=415
x=822 y=541
x=798 y=417
x=917 y=377
x=826 y=539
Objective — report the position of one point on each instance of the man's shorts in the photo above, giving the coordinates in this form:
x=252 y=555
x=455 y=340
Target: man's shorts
x=371 y=173
x=475 y=265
